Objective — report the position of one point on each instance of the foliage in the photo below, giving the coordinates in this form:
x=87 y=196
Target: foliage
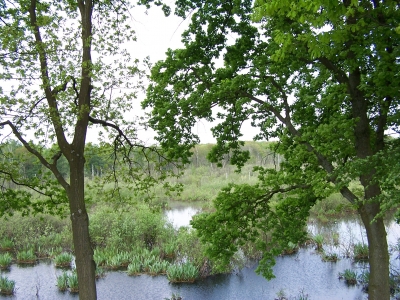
x=185 y=272
x=6 y=286
x=26 y=256
x=125 y=229
x=63 y=259
x=55 y=85
x=318 y=240
x=5 y=260
x=360 y=252
x=62 y=281
x=73 y=282
x=331 y=257
x=40 y=231
x=6 y=244
x=318 y=77
x=349 y=276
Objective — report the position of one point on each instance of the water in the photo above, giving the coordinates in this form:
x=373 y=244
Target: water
x=293 y=273
x=304 y=271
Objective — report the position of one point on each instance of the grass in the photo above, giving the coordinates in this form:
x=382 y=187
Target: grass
x=291 y=249
x=349 y=276
x=331 y=257
x=360 y=252
x=186 y=272
x=100 y=272
x=6 y=244
x=73 y=282
x=134 y=268
x=63 y=259
x=5 y=261
x=7 y=287
x=62 y=282
x=318 y=240
x=26 y=257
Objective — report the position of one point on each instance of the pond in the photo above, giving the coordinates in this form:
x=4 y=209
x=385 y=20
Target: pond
x=303 y=272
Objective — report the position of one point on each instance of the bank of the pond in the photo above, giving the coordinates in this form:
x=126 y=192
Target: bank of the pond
x=303 y=273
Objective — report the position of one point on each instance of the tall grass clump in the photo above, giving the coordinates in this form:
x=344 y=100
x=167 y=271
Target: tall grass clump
x=7 y=286
x=6 y=244
x=134 y=269
x=186 y=272
x=26 y=257
x=63 y=260
x=349 y=276
x=62 y=282
x=5 y=261
x=360 y=252
x=318 y=240
x=73 y=282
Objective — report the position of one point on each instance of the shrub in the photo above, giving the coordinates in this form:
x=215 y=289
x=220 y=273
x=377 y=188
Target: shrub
x=360 y=252
x=26 y=257
x=62 y=282
x=349 y=276
x=99 y=272
x=5 y=261
x=6 y=286
x=318 y=240
x=332 y=257
x=186 y=272
x=6 y=244
x=134 y=268
x=63 y=260
x=73 y=282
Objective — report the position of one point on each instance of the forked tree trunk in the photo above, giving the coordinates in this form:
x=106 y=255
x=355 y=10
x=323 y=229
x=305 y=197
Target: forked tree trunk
x=85 y=264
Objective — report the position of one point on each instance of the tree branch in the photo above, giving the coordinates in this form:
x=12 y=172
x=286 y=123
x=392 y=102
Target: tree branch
x=54 y=112
x=51 y=166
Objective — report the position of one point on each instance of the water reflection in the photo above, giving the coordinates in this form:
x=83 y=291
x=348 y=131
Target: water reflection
x=181 y=214
x=304 y=271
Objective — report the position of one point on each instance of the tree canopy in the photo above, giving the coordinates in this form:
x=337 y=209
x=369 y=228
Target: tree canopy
x=321 y=78
x=65 y=67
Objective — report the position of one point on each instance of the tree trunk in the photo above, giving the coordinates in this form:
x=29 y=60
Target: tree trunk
x=85 y=264
x=378 y=287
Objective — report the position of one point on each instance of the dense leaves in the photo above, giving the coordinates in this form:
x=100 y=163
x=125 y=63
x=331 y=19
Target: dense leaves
x=321 y=78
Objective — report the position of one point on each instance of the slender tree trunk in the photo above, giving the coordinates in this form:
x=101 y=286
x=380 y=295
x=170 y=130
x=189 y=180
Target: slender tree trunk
x=85 y=264
x=378 y=287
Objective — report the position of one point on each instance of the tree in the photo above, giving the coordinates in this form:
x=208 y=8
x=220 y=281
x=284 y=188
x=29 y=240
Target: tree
x=319 y=77
x=64 y=67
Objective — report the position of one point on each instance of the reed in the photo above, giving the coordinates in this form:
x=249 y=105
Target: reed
x=186 y=272
x=7 y=287
x=5 y=261
x=62 y=282
x=63 y=260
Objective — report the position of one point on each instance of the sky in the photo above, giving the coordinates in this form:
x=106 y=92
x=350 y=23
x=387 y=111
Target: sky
x=155 y=34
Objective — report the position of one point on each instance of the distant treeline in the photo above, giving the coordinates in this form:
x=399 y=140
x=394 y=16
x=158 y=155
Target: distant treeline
x=100 y=159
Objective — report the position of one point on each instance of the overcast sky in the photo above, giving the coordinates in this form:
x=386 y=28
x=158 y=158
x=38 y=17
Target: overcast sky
x=155 y=34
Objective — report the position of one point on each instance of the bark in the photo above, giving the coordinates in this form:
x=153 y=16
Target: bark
x=378 y=287
x=85 y=264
